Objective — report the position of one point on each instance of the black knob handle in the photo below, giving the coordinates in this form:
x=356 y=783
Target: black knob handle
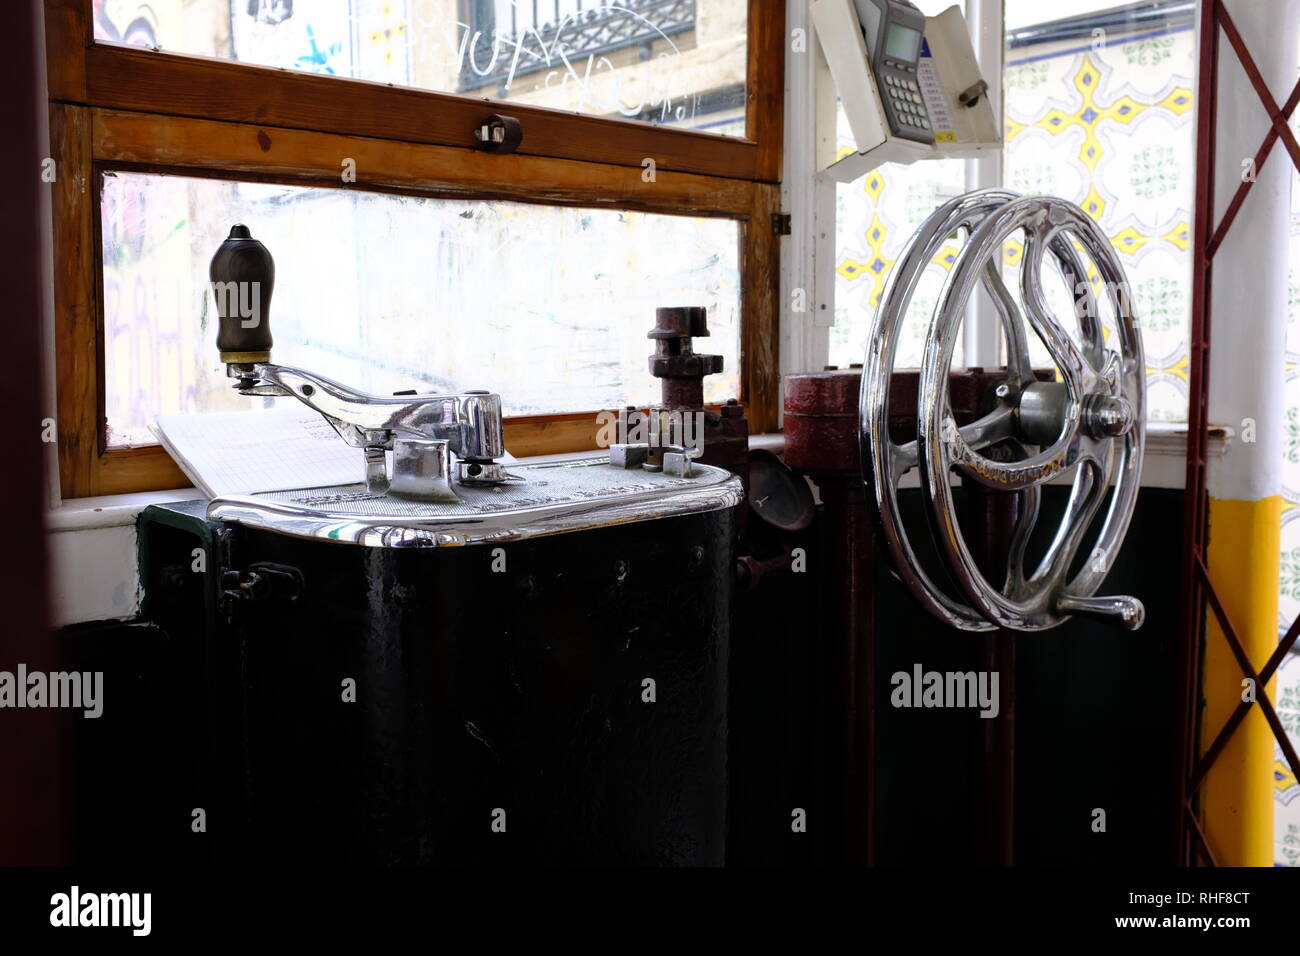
x=243 y=278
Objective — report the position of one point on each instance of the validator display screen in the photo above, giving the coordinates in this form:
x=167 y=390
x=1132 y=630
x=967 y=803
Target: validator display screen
x=902 y=42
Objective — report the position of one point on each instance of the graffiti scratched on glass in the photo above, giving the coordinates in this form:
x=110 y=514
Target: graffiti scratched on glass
x=615 y=58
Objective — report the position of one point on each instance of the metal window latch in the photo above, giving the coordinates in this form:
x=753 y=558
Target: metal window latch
x=500 y=134
x=971 y=95
x=263 y=581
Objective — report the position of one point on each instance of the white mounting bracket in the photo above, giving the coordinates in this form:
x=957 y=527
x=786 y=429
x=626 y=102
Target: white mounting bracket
x=947 y=71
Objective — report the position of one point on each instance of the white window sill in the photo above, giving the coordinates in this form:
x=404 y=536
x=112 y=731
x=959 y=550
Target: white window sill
x=110 y=511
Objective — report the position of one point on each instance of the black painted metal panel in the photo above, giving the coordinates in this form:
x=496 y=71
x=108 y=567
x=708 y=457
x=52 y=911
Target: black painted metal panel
x=491 y=686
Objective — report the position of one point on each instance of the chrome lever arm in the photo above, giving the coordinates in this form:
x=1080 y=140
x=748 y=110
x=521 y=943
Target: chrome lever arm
x=421 y=430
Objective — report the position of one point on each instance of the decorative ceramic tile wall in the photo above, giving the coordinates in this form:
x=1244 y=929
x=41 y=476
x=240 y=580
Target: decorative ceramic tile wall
x=1109 y=125
x=1286 y=821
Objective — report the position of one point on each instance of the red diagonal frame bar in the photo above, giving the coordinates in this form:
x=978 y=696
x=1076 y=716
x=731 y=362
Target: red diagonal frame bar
x=1266 y=674
x=1202 y=843
x=1278 y=129
x=1257 y=81
x=1239 y=196
x=1248 y=670
x=1197 y=584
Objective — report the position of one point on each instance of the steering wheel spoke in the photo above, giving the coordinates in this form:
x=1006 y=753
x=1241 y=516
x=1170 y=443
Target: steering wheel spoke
x=1085 y=302
x=1020 y=370
x=1026 y=521
x=1073 y=364
x=992 y=428
x=1085 y=499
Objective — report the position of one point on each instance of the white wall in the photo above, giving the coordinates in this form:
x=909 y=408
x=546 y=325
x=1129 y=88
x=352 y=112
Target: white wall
x=92 y=554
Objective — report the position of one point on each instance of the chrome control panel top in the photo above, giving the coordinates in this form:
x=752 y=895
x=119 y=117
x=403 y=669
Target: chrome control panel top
x=540 y=499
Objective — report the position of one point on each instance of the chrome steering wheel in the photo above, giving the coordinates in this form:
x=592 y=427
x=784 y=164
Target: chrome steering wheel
x=1091 y=420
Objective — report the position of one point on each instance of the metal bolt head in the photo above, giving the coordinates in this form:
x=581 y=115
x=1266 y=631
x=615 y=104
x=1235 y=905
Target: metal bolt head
x=1108 y=417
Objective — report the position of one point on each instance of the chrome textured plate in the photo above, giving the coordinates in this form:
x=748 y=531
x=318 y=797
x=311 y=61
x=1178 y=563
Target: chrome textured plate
x=551 y=498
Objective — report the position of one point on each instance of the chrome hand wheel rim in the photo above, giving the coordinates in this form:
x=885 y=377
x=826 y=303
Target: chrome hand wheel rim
x=1092 y=421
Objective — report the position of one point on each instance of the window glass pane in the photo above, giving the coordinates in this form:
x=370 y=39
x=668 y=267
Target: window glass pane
x=672 y=62
x=1099 y=111
x=547 y=305
x=875 y=217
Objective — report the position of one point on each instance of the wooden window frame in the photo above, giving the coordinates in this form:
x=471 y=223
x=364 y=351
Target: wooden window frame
x=118 y=107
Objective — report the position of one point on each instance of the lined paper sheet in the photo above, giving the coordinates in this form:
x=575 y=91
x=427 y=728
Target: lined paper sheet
x=241 y=453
